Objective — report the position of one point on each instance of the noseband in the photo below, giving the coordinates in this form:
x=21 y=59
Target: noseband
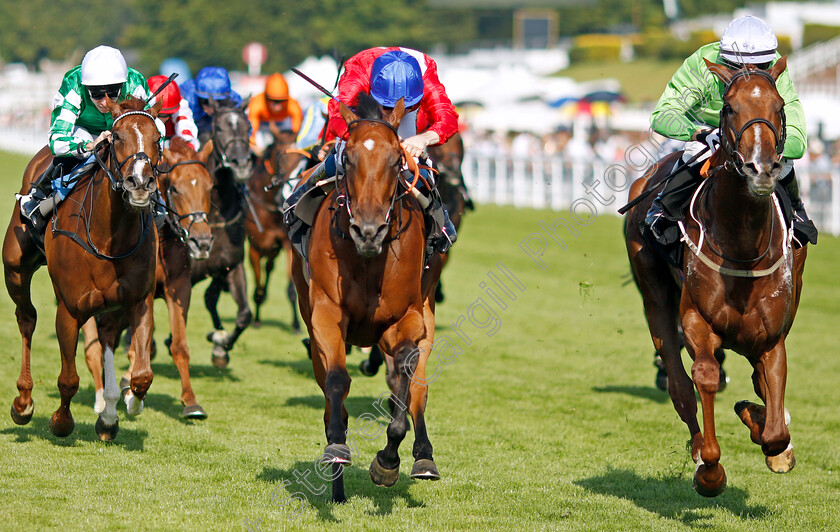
x=117 y=182
x=736 y=160
x=174 y=219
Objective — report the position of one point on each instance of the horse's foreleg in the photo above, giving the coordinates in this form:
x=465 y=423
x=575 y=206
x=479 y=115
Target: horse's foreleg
x=67 y=330
x=178 y=303
x=401 y=342
x=329 y=364
x=701 y=343
x=238 y=286
x=219 y=355
x=141 y=319
x=290 y=289
x=93 y=358
x=424 y=465
x=259 y=287
x=769 y=425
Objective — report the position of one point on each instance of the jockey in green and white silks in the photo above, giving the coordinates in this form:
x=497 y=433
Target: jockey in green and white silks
x=80 y=120
x=689 y=110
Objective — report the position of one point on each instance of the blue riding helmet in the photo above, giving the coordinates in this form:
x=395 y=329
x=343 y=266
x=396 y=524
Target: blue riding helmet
x=212 y=83
x=396 y=75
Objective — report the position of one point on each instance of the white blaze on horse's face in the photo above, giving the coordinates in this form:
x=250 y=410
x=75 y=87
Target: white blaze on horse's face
x=369 y=144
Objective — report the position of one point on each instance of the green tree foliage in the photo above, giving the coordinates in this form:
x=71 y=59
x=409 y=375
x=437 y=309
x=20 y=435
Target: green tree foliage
x=213 y=32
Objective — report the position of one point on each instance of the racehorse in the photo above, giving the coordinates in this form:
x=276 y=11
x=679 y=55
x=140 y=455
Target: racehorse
x=742 y=280
x=364 y=283
x=272 y=172
x=184 y=235
x=447 y=159
x=230 y=165
x=100 y=253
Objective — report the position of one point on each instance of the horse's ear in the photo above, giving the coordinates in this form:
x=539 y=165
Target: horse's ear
x=155 y=110
x=346 y=113
x=205 y=151
x=398 y=113
x=777 y=69
x=724 y=73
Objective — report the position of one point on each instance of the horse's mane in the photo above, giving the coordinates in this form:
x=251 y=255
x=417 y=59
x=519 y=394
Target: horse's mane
x=131 y=103
x=367 y=107
x=181 y=149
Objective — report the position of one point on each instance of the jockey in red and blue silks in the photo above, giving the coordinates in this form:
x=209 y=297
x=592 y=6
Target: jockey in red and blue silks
x=211 y=83
x=389 y=74
x=175 y=113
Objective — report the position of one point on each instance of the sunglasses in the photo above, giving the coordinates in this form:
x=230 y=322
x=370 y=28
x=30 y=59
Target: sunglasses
x=276 y=102
x=111 y=91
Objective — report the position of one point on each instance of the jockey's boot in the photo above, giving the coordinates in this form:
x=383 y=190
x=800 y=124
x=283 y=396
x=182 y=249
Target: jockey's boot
x=668 y=206
x=442 y=234
x=803 y=228
x=33 y=205
x=296 y=226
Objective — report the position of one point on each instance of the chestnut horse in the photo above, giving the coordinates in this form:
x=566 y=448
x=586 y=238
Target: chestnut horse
x=742 y=280
x=185 y=235
x=365 y=283
x=230 y=165
x=273 y=170
x=100 y=253
x=447 y=159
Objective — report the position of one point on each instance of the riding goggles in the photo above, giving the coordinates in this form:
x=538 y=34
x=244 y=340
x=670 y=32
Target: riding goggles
x=100 y=91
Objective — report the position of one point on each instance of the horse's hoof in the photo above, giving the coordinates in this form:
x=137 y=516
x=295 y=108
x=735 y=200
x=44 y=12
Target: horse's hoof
x=99 y=401
x=709 y=487
x=367 y=368
x=63 y=430
x=425 y=469
x=133 y=405
x=336 y=453
x=125 y=386
x=723 y=380
x=661 y=374
x=257 y=324
x=382 y=476
x=782 y=462
x=217 y=336
x=220 y=362
x=26 y=417
x=105 y=432
x=195 y=412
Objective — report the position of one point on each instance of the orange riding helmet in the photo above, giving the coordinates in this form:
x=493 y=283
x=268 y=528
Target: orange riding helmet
x=171 y=95
x=276 y=87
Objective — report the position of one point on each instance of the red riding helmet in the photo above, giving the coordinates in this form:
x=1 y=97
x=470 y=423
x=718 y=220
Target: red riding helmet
x=171 y=95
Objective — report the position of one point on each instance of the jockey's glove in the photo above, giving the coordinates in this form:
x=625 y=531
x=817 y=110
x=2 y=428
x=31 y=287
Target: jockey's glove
x=710 y=137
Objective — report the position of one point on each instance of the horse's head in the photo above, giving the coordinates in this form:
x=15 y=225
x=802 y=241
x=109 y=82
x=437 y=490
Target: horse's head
x=186 y=188
x=752 y=123
x=372 y=160
x=278 y=161
x=231 y=138
x=135 y=150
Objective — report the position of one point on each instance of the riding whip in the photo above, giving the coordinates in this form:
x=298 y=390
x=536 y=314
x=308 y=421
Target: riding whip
x=315 y=84
x=163 y=85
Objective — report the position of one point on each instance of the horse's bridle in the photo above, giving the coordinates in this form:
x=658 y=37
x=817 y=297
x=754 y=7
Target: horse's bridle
x=116 y=185
x=735 y=160
x=117 y=182
x=221 y=150
x=344 y=197
x=173 y=218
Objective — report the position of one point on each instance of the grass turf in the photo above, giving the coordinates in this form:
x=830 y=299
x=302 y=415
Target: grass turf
x=546 y=419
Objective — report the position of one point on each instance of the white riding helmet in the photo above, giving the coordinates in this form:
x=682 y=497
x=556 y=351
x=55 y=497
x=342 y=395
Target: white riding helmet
x=748 y=40
x=104 y=66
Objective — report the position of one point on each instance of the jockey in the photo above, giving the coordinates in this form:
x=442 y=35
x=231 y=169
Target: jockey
x=689 y=110
x=80 y=121
x=273 y=106
x=389 y=74
x=175 y=113
x=211 y=83
x=311 y=131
